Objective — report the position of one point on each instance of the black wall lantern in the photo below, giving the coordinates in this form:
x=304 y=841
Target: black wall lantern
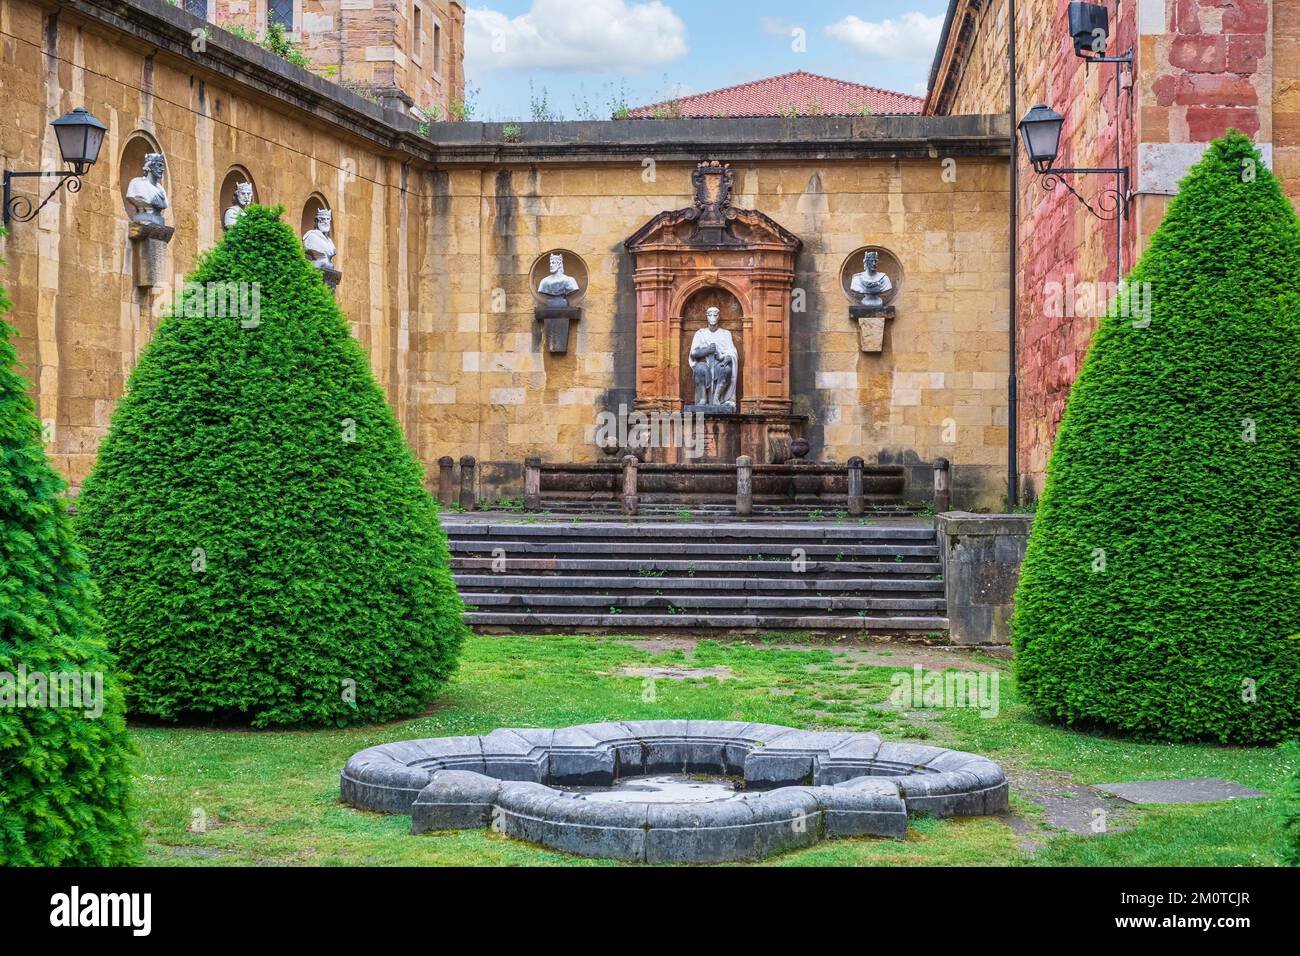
x=80 y=136
x=1090 y=27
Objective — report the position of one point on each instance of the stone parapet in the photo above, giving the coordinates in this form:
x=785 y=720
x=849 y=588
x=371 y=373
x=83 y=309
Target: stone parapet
x=981 y=556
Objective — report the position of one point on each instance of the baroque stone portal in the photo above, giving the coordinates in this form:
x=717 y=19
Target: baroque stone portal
x=712 y=274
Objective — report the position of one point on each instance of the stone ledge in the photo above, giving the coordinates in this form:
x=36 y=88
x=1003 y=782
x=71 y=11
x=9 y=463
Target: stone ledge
x=968 y=523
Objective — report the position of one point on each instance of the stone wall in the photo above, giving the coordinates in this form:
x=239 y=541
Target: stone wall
x=973 y=62
x=437 y=235
x=1202 y=66
x=981 y=556
x=80 y=319
x=938 y=388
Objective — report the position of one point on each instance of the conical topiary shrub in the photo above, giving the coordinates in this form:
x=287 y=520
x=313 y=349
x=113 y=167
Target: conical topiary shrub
x=65 y=775
x=256 y=522
x=1160 y=595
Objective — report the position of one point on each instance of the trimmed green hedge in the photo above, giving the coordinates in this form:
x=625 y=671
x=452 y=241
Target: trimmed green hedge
x=65 y=774
x=259 y=528
x=1160 y=595
x=1291 y=809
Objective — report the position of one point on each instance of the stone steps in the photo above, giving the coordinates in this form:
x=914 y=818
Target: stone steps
x=764 y=550
x=595 y=574
x=558 y=623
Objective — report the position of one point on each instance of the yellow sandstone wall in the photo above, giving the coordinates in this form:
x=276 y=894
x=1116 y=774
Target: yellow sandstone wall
x=938 y=389
x=81 y=322
x=436 y=253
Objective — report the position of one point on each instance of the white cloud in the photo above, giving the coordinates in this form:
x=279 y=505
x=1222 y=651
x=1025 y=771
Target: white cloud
x=574 y=35
x=778 y=28
x=912 y=36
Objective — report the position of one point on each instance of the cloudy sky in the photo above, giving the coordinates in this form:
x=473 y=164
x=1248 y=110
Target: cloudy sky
x=585 y=56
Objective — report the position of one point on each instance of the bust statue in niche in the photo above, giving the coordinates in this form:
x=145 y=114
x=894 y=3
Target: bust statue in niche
x=713 y=361
x=243 y=196
x=317 y=243
x=146 y=193
x=558 y=286
x=872 y=285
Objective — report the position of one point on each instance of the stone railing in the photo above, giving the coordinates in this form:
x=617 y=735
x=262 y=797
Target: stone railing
x=850 y=487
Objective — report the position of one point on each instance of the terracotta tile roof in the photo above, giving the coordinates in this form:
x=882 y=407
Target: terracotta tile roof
x=807 y=93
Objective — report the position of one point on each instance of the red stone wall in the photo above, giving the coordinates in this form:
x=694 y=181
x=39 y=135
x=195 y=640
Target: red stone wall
x=1202 y=67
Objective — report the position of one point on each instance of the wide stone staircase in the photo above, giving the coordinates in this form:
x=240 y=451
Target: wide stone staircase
x=588 y=573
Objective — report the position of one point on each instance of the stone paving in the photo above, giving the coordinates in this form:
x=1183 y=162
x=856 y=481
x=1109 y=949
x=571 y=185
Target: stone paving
x=800 y=787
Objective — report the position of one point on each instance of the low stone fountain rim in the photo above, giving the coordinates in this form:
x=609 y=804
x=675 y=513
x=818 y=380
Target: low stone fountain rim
x=388 y=777
x=822 y=786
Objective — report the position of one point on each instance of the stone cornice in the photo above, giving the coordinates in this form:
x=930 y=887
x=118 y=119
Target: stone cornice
x=811 y=138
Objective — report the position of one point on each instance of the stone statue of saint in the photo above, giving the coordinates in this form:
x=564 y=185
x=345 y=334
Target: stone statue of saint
x=243 y=196
x=317 y=242
x=557 y=285
x=146 y=192
x=871 y=285
x=713 y=360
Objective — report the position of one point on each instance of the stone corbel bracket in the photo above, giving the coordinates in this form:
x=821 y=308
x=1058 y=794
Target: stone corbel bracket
x=558 y=321
x=149 y=252
x=332 y=277
x=872 y=320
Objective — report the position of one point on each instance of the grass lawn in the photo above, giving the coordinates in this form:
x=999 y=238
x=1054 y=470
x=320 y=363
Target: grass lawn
x=272 y=797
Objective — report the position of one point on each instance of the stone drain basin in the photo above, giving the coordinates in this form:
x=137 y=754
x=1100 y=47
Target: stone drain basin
x=575 y=789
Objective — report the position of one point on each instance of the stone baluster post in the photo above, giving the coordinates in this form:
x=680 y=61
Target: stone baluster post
x=744 y=486
x=446 y=481
x=629 y=485
x=942 y=486
x=533 y=484
x=468 y=500
x=857 y=496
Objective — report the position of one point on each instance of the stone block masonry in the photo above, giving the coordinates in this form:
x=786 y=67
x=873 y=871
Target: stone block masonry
x=981 y=557
x=437 y=234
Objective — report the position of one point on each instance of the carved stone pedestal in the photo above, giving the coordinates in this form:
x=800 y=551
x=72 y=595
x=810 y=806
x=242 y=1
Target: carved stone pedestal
x=558 y=321
x=332 y=277
x=149 y=252
x=871 y=320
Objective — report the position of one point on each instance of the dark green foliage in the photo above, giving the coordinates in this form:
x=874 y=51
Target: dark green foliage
x=256 y=522
x=65 y=777
x=1291 y=809
x=1177 y=458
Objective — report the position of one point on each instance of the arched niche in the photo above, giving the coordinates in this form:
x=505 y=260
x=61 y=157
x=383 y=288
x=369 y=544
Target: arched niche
x=131 y=165
x=731 y=317
x=574 y=266
x=314 y=204
x=886 y=262
x=226 y=194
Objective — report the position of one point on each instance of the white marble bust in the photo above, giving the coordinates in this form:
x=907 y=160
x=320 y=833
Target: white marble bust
x=146 y=193
x=557 y=285
x=243 y=197
x=713 y=361
x=317 y=243
x=872 y=285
